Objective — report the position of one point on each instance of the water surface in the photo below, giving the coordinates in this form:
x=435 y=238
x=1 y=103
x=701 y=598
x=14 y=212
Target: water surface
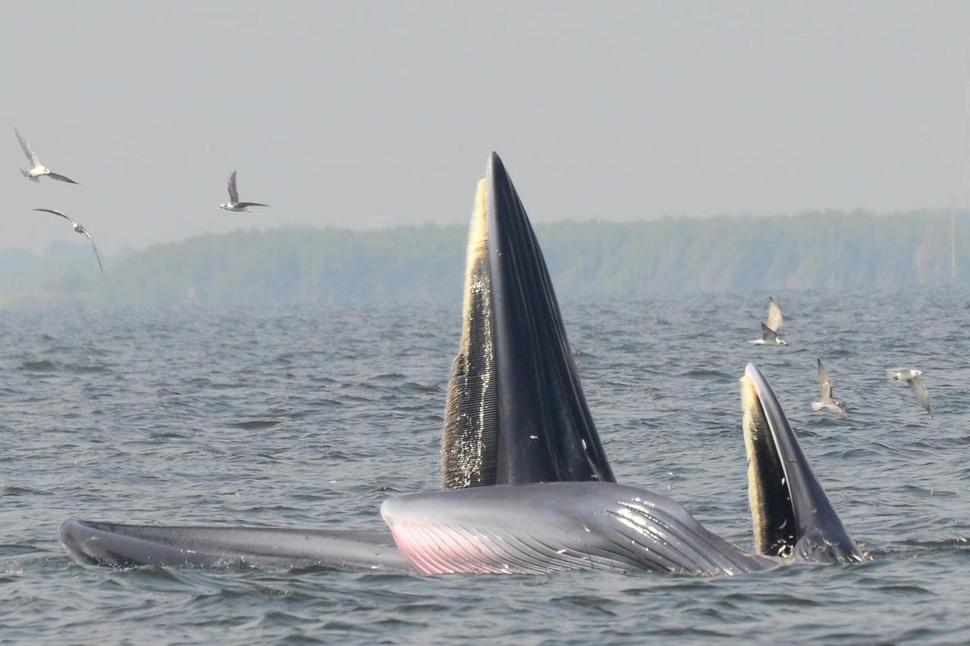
x=309 y=416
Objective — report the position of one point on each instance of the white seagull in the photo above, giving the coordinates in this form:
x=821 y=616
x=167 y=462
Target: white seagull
x=78 y=228
x=37 y=170
x=828 y=399
x=911 y=376
x=770 y=330
x=234 y=204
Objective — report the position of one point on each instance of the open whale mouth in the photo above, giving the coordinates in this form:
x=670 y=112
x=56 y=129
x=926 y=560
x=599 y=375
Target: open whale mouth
x=515 y=410
x=791 y=515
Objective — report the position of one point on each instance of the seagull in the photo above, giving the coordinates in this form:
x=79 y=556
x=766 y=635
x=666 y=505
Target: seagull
x=37 y=170
x=234 y=204
x=770 y=330
x=828 y=399
x=78 y=228
x=911 y=376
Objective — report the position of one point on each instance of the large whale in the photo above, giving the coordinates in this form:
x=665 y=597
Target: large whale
x=527 y=487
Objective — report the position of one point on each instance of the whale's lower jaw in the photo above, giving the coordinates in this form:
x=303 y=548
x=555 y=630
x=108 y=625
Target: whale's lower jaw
x=501 y=529
x=557 y=526
x=120 y=545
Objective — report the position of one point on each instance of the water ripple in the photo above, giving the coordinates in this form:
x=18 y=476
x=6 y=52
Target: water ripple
x=309 y=416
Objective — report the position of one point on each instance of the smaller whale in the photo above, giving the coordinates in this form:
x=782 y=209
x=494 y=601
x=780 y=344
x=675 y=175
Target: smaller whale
x=771 y=329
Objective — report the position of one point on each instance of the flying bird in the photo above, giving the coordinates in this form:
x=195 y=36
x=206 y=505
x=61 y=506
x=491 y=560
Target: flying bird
x=911 y=376
x=771 y=329
x=828 y=399
x=78 y=228
x=234 y=204
x=37 y=170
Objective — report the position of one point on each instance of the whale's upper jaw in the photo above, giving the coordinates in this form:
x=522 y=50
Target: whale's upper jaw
x=790 y=512
x=516 y=412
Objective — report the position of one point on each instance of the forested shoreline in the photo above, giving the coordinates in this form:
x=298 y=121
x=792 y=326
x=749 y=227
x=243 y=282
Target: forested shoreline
x=817 y=250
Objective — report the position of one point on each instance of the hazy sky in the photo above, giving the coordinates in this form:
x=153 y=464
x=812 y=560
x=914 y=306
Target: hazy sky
x=366 y=114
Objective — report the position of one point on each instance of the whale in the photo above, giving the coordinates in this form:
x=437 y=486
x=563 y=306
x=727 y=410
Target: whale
x=564 y=525
x=526 y=485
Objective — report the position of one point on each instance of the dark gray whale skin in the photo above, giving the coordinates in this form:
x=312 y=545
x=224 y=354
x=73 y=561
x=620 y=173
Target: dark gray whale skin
x=540 y=495
x=120 y=545
x=539 y=528
x=545 y=430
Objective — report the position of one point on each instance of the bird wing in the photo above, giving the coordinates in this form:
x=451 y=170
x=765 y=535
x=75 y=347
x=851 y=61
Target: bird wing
x=247 y=204
x=767 y=334
x=824 y=385
x=776 y=320
x=59 y=214
x=233 y=194
x=922 y=394
x=61 y=178
x=95 y=247
x=28 y=151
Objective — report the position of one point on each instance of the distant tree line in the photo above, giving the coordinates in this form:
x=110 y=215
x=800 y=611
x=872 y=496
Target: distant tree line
x=821 y=250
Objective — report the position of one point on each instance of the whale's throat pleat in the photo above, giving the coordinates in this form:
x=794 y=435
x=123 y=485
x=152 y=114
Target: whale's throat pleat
x=468 y=449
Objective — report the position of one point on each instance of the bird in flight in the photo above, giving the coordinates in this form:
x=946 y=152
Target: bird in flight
x=771 y=329
x=37 y=170
x=234 y=204
x=911 y=376
x=829 y=402
x=78 y=228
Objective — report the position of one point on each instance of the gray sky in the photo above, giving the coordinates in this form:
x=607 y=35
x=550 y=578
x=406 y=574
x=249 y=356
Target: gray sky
x=366 y=114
